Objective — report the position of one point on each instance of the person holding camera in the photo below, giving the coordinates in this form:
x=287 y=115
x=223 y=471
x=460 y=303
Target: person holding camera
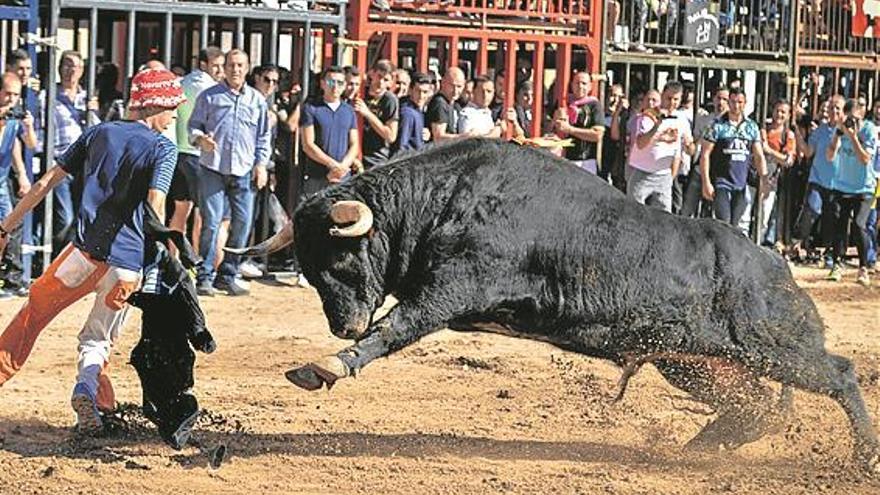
x=853 y=145
x=16 y=133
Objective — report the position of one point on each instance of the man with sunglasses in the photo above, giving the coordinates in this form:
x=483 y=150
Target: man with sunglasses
x=330 y=135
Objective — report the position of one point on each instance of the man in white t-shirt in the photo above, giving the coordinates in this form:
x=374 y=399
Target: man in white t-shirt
x=476 y=118
x=656 y=154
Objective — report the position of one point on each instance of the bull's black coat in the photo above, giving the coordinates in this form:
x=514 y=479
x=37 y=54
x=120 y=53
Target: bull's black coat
x=481 y=235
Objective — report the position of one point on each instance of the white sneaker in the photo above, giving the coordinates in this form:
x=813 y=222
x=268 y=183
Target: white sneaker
x=249 y=269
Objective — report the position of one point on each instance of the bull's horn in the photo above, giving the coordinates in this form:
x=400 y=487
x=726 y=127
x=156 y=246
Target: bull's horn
x=343 y=212
x=282 y=239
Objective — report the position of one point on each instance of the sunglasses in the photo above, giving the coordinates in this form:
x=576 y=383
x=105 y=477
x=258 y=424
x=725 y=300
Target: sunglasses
x=269 y=80
x=335 y=82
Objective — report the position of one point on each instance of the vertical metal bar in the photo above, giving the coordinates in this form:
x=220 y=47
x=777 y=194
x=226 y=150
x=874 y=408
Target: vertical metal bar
x=453 y=51
x=273 y=41
x=340 y=31
x=424 y=46
x=327 y=50
x=129 y=51
x=563 y=75
x=93 y=47
x=483 y=56
x=169 y=27
x=509 y=82
x=538 y=104
x=204 y=29
x=239 y=33
x=393 y=44
x=307 y=59
x=49 y=147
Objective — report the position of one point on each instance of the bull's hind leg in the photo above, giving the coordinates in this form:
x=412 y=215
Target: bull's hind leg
x=835 y=377
x=746 y=408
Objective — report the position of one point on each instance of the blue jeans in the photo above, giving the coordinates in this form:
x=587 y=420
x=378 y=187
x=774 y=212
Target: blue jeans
x=215 y=192
x=5 y=198
x=871 y=230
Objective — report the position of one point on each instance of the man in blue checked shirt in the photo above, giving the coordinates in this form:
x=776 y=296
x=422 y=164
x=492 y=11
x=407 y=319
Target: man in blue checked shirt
x=230 y=125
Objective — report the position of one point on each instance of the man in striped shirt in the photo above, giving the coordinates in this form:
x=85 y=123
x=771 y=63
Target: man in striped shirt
x=122 y=165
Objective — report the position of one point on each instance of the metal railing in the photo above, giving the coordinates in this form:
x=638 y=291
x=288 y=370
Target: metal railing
x=827 y=26
x=564 y=12
x=744 y=27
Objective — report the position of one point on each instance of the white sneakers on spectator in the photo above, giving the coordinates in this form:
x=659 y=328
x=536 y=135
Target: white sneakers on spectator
x=249 y=269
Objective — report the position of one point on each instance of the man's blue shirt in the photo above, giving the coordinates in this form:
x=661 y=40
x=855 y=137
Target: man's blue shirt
x=412 y=122
x=119 y=162
x=822 y=171
x=239 y=123
x=853 y=176
x=331 y=130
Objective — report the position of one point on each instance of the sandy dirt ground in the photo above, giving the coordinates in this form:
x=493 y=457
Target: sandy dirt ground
x=455 y=413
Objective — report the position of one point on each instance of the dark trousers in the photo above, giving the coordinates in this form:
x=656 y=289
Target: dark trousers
x=729 y=205
x=846 y=208
x=817 y=202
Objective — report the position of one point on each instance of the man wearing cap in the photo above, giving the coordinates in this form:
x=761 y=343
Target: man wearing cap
x=122 y=165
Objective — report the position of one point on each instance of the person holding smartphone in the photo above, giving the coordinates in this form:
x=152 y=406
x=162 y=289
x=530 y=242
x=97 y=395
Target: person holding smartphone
x=656 y=153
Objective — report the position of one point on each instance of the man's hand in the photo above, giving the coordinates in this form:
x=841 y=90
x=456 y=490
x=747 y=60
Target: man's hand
x=93 y=104
x=708 y=191
x=28 y=121
x=510 y=114
x=336 y=172
x=361 y=107
x=669 y=135
x=261 y=177
x=357 y=167
x=206 y=143
x=24 y=185
x=4 y=239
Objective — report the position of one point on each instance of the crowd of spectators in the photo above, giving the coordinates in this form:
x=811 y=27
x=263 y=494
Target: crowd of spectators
x=245 y=134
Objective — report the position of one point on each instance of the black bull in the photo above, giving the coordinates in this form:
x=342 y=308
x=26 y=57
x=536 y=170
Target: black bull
x=485 y=236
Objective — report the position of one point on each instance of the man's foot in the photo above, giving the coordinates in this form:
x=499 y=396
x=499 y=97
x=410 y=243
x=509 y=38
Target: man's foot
x=205 y=289
x=233 y=288
x=836 y=274
x=249 y=269
x=864 y=279
x=88 y=419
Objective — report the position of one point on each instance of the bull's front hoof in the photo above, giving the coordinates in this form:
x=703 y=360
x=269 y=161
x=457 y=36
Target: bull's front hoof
x=315 y=375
